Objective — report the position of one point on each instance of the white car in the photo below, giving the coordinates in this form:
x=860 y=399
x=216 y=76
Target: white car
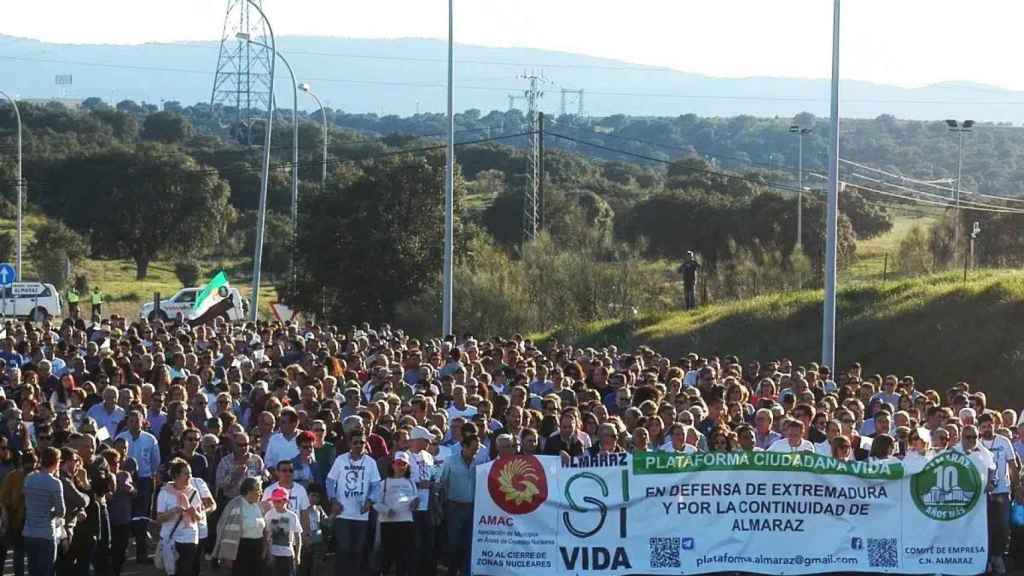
x=35 y=300
x=179 y=306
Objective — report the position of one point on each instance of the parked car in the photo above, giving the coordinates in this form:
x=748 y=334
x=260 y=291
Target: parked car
x=180 y=306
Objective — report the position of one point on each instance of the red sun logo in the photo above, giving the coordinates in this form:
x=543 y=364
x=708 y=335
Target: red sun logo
x=518 y=484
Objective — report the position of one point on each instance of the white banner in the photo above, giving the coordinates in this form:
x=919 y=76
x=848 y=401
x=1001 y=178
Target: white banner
x=764 y=512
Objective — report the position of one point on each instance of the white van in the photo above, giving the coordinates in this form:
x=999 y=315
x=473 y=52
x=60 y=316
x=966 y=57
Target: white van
x=35 y=300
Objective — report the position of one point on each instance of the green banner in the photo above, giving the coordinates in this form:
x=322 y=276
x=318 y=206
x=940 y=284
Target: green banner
x=672 y=463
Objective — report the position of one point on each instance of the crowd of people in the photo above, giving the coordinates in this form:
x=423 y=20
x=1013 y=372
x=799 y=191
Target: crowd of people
x=283 y=448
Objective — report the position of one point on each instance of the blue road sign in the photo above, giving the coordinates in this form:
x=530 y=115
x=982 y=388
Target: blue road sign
x=7 y=274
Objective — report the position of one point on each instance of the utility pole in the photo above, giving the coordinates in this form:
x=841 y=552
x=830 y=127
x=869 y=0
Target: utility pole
x=828 y=328
x=532 y=194
x=261 y=217
x=449 y=189
x=960 y=128
x=579 y=100
x=800 y=133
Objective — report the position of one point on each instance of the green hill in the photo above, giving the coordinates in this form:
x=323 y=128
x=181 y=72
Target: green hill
x=937 y=328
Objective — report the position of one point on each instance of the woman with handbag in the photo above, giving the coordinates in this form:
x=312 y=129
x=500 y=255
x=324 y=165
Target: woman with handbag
x=179 y=509
x=240 y=532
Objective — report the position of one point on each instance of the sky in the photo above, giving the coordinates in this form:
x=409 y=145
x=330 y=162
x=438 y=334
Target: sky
x=906 y=43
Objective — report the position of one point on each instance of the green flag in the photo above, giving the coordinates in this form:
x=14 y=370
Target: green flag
x=210 y=294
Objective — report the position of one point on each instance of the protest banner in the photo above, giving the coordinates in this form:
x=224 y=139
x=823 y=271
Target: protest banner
x=763 y=512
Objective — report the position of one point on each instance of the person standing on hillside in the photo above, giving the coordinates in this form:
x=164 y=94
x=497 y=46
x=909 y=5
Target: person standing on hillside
x=97 y=303
x=73 y=302
x=689 y=270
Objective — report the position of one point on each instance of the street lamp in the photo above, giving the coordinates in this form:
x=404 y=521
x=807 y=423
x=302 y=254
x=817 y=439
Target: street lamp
x=295 y=140
x=449 y=190
x=800 y=132
x=828 y=327
x=960 y=128
x=261 y=218
x=305 y=87
x=18 y=184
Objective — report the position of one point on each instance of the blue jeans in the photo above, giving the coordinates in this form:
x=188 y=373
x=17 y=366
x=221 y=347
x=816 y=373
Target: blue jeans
x=142 y=505
x=460 y=537
x=350 y=540
x=41 y=554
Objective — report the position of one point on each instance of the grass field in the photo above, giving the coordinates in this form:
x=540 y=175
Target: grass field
x=936 y=327
x=871 y=263
x=124 y=294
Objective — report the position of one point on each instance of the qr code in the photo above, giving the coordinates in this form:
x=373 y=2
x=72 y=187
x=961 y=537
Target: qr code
x=665 y=552
x=883 y=553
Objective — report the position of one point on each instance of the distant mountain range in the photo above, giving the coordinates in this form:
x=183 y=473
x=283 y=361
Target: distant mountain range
x=404 y=76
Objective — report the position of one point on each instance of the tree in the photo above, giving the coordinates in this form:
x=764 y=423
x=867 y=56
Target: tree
x=143 y=202
x=277 y=244
x=53 y=247
x=94 y=103
x=166 y=127
x=372 y=239
x=187 y=272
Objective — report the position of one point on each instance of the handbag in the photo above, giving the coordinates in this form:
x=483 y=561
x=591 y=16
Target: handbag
x=166 y=556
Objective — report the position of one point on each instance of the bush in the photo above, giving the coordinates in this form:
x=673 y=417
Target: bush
x=187 y=272
x=914 y=254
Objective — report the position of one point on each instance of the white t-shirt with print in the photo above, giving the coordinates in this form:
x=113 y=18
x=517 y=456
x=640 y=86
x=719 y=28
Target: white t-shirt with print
x=284 y=530
x=422 y=469
x=353 y=484
x=1003 y=454
x=298 y=498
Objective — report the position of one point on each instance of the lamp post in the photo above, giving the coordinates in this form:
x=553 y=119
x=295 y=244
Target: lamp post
x=18 y=184
x=261 y=217
x=295 y=141
x=449 y=190
x=828 y=327
x=323 y=116
x=800 y=133
x=960 y=128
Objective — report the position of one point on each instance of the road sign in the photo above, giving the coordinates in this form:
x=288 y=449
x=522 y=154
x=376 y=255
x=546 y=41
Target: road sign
x=7 y=274
x=25 y=289
x=282 y=313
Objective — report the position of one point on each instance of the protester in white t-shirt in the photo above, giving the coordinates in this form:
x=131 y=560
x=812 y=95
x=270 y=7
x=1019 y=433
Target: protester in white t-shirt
x=298 y=498
x=794 y=440
x=399 y=498
x=677 y=433
x=350 y=483
x=1006 y=467
x=459 y=407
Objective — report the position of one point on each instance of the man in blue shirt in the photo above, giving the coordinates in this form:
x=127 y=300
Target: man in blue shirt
x=458 y=483
x=107 y=414
x=145 y=450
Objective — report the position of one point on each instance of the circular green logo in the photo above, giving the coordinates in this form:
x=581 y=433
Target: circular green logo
x=947 y=488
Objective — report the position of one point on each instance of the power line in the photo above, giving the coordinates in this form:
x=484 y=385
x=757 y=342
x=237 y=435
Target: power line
x=438 y=85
